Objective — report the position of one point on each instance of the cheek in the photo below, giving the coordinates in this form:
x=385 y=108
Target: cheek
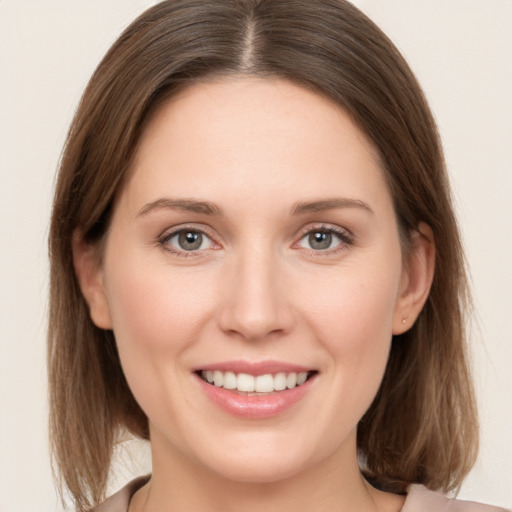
x=154 y=310
x=355 y=307
x=353 y=319
x=157 y=316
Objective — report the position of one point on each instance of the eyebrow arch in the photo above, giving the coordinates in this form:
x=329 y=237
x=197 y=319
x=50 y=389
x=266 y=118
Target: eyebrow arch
x=189 y=205
x=332 y=203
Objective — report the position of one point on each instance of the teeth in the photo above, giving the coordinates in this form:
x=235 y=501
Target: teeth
x=291 y=380
x=244 y=382
x=218 y=379
x=230 y=381
x=280 y=382
x=264 y=384
x=301 y=378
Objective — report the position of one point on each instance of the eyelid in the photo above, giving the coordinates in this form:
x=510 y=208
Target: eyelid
x=169 y=233
x=325 y=226
x=346 y=237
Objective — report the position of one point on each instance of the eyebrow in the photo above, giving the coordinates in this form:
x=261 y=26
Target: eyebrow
x=333 y=203
x=207 y=208
x=189 y=205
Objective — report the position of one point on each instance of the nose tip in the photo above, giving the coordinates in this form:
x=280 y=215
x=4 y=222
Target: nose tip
x=251 y=323
x=254 y=306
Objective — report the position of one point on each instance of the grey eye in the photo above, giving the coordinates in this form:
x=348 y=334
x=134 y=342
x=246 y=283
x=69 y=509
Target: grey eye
x=320 y=240
x=324 y=239
x=190 y=240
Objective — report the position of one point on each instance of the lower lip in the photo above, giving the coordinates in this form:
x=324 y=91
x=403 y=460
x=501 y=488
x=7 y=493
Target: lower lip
x=254 y=406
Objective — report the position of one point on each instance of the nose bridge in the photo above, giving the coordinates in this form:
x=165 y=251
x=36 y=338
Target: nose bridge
x=253 y=304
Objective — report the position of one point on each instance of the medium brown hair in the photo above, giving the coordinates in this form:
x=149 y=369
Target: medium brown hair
x=422 y=424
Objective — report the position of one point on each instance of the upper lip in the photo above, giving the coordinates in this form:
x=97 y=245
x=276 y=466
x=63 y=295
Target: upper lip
x=255 y=367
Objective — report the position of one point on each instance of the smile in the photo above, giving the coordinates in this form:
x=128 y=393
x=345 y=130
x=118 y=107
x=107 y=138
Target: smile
x=255 y=391
x=245 y=383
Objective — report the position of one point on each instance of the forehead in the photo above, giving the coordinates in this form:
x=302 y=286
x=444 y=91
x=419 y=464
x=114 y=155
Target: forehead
x=253 y=135
x=254 y=107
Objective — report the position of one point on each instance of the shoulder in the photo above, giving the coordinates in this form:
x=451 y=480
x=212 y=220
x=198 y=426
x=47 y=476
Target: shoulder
x=119 y=501
x=420 y=499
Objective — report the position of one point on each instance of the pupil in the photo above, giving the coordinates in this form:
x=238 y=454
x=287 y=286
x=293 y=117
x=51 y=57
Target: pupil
x=320 y=240
x=190 y=240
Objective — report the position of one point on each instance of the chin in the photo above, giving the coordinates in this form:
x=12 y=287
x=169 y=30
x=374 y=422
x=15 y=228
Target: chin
x=258 y=470
x=261 y=459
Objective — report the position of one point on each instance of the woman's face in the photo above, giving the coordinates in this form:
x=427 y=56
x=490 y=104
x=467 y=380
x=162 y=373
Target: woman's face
x=255 y=243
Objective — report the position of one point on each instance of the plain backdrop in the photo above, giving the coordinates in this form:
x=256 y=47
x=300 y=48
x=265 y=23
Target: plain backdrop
x=461 y=51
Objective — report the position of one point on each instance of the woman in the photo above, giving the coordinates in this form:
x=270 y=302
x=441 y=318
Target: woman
x=256 y=266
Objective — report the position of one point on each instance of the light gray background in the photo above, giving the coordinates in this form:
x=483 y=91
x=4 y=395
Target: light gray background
x=461 y=51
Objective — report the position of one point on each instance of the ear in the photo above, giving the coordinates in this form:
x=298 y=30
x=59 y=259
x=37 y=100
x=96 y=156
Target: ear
x=417 y=276
x=90 y=278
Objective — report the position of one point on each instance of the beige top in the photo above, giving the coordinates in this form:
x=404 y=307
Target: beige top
x=419 y=499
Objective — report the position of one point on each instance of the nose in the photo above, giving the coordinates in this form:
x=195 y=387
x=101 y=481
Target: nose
x=255 y=304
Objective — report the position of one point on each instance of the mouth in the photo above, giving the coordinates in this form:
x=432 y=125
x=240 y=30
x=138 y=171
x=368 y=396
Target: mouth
x=246 y=384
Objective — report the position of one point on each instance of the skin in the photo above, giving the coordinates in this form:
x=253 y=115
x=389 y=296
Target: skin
x=256 y=290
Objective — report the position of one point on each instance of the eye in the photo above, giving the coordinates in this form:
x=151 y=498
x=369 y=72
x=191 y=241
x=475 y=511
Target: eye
x=324 y=239
x=187 y=240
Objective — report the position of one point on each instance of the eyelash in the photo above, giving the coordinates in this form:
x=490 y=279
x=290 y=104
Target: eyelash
x=345 y=239
x=164 y=240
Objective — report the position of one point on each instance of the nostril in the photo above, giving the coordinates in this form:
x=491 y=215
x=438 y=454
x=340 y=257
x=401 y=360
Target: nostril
x=254 y=308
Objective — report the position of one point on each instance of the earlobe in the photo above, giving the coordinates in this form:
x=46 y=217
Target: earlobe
x=90 y=279
x=417 y=277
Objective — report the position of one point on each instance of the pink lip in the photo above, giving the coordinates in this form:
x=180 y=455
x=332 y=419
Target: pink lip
x=255 y=406
x=255 y=368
